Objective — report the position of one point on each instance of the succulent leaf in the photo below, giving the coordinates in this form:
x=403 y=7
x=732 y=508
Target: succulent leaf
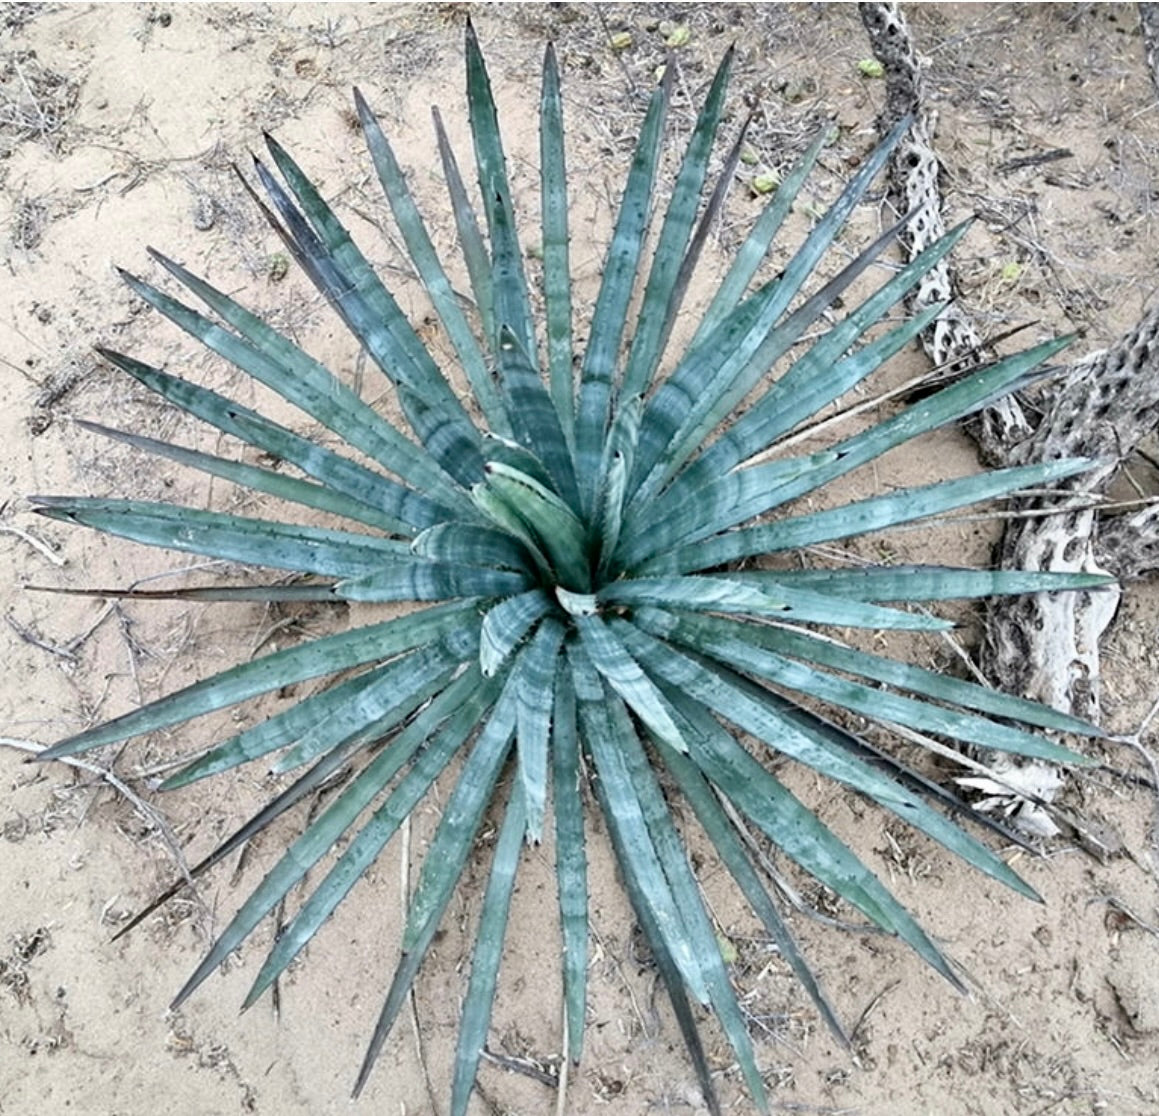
x=569 y=536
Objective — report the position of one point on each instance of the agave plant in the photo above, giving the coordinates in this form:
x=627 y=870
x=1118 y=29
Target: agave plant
x=585 y=534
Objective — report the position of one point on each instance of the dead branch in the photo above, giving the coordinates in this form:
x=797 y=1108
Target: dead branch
x=1046 y=646
x=952 y=342
x=1043 y=646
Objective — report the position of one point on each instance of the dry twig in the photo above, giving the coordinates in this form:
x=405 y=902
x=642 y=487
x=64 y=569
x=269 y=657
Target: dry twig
x=147 y=813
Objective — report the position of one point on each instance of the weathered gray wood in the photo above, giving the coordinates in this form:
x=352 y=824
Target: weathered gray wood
x=952 y=342
x=1043 y=646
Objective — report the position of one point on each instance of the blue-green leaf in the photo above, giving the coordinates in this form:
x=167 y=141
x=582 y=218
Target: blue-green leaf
x=556 y=266
x=445 y=861
x=369 y=842
x=556 y=529
x=320 y=836
x=537 y=672
x=858 y=518
x=505 y=625
x=756 y=246
x=929 y=683
x=686 y=407
x=959 y=399
x=489 y=935
x=608 y=655
x=602 y=740
x=341 y=474
x=274 y=361
x=744 y=648
x=698 y=931
x=724 y=838
x=475 y=254
x=427 y=263
x=666 y=276
x=373 y=643
x=749 y=710
x=570 y=856
x=421 y=579
x=512 y=304
x=471 y=545
x=378 y=709
x=611 y=312
x=318 y=712
x=927 y=583
x=533 y=416
x=802 y=836
x=785 y=602
x=260 y=542
x=283 y=487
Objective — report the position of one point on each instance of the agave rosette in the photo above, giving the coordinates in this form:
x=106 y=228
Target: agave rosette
x=575 y=533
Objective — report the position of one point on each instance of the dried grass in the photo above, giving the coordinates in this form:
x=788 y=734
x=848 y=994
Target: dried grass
x=35 y=102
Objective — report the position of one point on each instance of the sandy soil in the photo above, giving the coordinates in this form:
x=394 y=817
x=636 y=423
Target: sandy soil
x=118 y=127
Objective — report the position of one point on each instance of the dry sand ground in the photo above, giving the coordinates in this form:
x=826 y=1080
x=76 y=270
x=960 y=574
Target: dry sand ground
x=118 y=125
